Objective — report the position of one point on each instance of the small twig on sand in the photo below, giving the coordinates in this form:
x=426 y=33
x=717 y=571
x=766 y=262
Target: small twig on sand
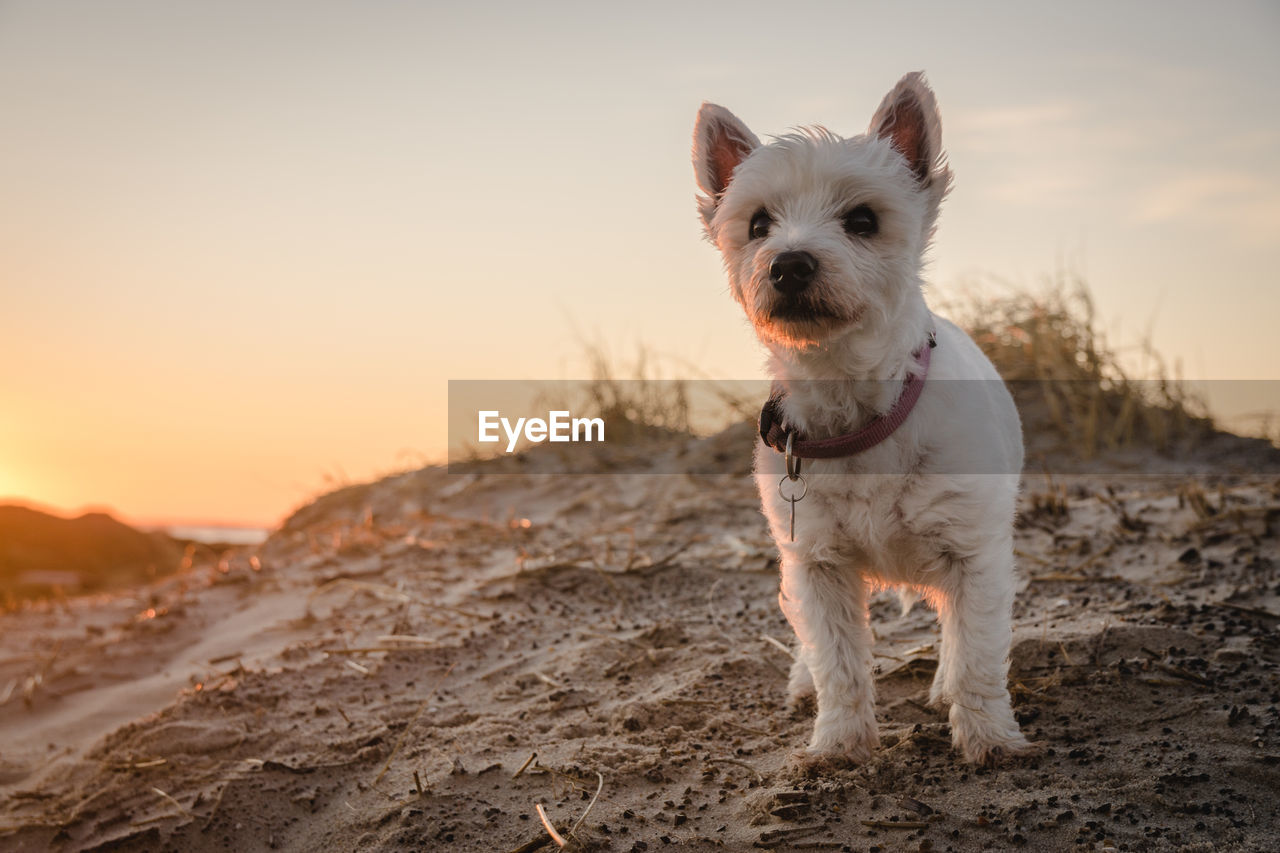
x=407 y=638
x=757 y=732
x=1093 y=558
x=525 y=766
x=546 y=679
x=550 y=828
x=678 y=700
x=781 y=646
x=1184 y=674
x=790 y=833
x=1238 y=515
x=138 y=765
x=1239 y=608
x=416 y=714
x=664 y=560
x=378 y=590
x=896 y=824
x=735 y=762
x=1027 y=555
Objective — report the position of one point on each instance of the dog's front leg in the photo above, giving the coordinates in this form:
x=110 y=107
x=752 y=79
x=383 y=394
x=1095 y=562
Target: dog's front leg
x=975 y=615
x=827 y=606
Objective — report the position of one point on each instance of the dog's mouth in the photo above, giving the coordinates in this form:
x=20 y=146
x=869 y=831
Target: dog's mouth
x=801 y=321
x=801 y=311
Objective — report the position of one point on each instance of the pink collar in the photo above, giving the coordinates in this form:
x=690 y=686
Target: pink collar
x=774 y=431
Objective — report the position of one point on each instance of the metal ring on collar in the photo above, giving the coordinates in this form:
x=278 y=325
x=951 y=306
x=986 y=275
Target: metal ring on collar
x=793 y=462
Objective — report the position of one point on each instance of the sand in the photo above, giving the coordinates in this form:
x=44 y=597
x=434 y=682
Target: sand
x=420 y=663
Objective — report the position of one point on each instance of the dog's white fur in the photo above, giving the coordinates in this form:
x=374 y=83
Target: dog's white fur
x=944 y=534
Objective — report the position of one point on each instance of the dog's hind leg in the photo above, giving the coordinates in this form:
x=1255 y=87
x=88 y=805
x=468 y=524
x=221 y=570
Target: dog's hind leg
x=800 y=689
x=974 y=609
x=827 y=607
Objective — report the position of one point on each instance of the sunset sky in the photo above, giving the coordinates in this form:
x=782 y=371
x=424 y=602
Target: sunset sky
x=244 y=245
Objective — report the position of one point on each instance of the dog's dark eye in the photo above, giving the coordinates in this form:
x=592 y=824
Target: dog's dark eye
x=861 y=221
x=760 y=224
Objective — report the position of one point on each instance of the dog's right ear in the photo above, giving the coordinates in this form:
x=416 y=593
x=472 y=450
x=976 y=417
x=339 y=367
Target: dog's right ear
x=908 y=118
x=720 y=142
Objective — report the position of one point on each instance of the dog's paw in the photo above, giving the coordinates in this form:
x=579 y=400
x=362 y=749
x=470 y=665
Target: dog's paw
x=848 y=735
x=997 y=755
x=985 y=732
x=805 y=765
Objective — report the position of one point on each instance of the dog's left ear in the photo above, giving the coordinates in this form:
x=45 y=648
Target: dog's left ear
x=720 y=142
x=908 y=118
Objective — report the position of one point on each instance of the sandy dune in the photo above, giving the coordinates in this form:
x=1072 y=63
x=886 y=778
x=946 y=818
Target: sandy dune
x=418 y=663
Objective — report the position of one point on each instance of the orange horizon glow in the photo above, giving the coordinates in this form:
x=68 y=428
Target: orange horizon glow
x=139 y=522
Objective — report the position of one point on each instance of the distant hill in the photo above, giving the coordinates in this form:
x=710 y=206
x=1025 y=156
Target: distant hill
x=40 y=552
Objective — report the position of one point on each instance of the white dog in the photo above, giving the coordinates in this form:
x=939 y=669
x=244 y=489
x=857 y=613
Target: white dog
x=824 y=239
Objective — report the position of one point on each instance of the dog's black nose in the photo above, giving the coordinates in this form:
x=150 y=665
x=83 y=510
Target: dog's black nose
x=792 y=272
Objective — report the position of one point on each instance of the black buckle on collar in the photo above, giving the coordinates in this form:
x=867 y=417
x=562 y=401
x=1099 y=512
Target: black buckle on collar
x=769 y=415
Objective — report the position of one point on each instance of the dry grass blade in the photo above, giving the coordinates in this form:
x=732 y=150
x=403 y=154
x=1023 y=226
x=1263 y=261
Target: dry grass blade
x=412 y=639
x=665 y=559
x=546 y=823
x=778 y=645
x=1027 y=555
x=1238 y=516
x=172 y=801
x=680 y=700
x=138 y=765
x=1184 y=674
x=547 y=680
x=378 y=590
x=747 y=729
x=1253 y=611
x=736 y=763
x=590 y=805
x=790 y=833
x=1093 y=558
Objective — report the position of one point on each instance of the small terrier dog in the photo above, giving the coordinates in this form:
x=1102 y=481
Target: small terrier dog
x=823 y=239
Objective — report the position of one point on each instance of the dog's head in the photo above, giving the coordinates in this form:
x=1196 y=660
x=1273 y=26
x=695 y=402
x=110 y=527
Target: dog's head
x=822 y=234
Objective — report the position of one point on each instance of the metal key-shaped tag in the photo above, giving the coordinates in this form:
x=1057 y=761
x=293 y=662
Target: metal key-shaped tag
x=793 y=476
